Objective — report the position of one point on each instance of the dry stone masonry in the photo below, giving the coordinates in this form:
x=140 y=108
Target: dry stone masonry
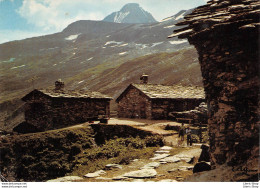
x=226 y=36
x=154 y=101
x=47 y=109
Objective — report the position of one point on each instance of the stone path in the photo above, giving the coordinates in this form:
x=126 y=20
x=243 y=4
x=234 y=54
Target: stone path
x=169 y=164
x=163 y=167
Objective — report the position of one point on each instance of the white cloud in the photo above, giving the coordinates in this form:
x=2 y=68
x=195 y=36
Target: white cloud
x=55 y=15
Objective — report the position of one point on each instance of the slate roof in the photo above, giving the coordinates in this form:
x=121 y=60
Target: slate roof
x=68 y=94
x=238 y=14
x=156 y=91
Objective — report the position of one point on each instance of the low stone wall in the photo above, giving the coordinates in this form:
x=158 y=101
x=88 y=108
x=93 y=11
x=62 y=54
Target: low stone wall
x=105 y=132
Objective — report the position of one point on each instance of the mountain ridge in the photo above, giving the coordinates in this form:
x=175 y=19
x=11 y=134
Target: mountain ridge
x=130 y=13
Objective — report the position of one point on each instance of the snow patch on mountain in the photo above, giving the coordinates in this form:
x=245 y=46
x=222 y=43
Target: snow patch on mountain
x=170 y=26
x=72 y=37
x=112 y=42
x=180 y=16
x=122 y=53
x=18 y=67
x=166 y=19
x=120 y=16
x=125 y=44
x=156 y=44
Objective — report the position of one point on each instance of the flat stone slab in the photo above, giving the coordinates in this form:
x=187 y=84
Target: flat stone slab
x=171 y=159
x=144 y=173
x=95 y=174
x=159 y=156
x=186 y=158
x=151 y=165
x=111 y=166
x=66 y=179
x=166 y=148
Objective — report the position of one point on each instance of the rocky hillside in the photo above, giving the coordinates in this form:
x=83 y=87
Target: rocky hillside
x=131 y=13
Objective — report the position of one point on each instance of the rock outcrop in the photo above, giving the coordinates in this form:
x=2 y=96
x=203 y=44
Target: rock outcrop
x=226 y=36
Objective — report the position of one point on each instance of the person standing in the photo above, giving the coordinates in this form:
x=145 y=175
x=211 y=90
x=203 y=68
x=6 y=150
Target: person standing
x=189 y=140
x=182 y=132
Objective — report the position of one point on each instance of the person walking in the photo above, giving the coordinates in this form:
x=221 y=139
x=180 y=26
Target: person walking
x=189 y=140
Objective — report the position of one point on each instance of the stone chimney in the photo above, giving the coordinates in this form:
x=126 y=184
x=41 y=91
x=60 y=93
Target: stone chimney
x=144 y=79
x=59 y=85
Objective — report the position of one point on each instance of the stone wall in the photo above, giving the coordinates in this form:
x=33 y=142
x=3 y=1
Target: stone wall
x=161 y=108
x=51 y=113
x=134 y=104
x=226 y=36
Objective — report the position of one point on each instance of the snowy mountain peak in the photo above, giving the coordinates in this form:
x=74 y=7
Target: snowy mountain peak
x=130 y=13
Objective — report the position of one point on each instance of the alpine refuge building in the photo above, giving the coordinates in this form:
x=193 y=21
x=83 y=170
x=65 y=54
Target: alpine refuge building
x=149 y=101
x=56 y=108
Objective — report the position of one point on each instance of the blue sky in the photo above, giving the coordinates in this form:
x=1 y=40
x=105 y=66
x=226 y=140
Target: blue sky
x=21 y=19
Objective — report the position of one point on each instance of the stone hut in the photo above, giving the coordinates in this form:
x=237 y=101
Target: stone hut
x=56 y=108
x=149 y=101
x=226 y=36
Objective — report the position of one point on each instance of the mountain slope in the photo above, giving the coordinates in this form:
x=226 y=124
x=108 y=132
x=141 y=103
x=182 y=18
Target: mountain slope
x=130 y=13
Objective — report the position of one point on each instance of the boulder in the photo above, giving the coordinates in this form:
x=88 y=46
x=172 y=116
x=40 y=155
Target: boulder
x=204 y=156
x=201 y=166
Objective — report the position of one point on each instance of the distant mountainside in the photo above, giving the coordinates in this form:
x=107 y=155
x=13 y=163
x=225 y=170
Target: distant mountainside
x=81 y=46
x=131 y=13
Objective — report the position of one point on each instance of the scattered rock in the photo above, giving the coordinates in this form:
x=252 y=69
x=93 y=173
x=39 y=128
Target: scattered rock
x=137 y=180
x=162 y=151
x=166 y=148
x=151 y=165
x=171 y=159
x=144 y=173
x=173 y=170
x=179 y=178
x=167 y=180
x=201 y=166
x=66 y=179
x=185 y=168
x=159 y=156
x=95 y=174
x=186 y=158
x=120 y=178
x=111 y=166
x=103 y=178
